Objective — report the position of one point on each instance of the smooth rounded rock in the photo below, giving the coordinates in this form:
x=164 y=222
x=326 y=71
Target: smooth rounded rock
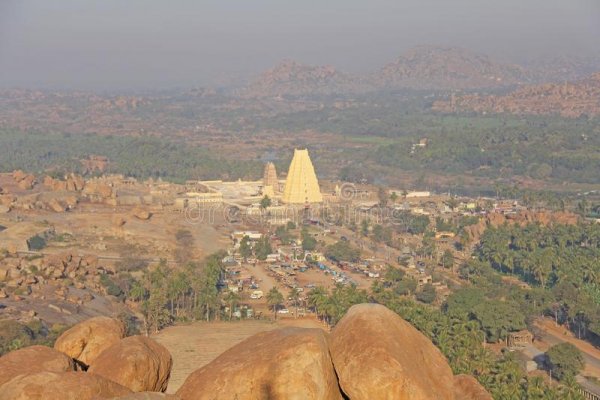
x=136 y=362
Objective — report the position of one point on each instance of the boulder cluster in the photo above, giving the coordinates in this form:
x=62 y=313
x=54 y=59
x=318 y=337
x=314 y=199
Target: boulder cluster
x=24 y=276
x=371 y=354
x=92 y=360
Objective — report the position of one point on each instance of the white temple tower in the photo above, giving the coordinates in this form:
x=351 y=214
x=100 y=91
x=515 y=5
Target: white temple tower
x=301 y=184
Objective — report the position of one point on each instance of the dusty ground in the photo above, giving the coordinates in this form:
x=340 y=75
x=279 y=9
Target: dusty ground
x=195 y=345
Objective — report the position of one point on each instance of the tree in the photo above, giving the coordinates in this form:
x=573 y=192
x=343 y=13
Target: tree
x=382 y=196
x=364 y=227
x=447 y=259
x=342 y=251
x=564 y=360
x=427 y=295
x=274 y=300
x=498 y=318
x=393 y=197
x=245 y=249
x=232 y=299
x=295 y=298
x=263 y=248
x=265 y=202
x=309 y=243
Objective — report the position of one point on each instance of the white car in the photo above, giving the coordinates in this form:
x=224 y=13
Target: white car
x=283 y=311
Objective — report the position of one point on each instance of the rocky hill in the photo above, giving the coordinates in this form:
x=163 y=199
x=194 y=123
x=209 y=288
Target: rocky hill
x=431 y=67
x=294 y=79
x=423 y=67
x=371 y=354
x=571 y=100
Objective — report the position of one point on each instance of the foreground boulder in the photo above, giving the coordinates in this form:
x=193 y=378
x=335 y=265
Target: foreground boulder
x=32 y=359
x=466 y=387
x=86 y=340
x=377 y=355
x=147 y=396
x=61 y=386
x=136 y=362
x=288 y=363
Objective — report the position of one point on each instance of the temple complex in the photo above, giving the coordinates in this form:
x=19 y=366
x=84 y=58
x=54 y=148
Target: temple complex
x=301 y=185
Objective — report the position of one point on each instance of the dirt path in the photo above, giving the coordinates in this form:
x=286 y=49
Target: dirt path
x=195 y=345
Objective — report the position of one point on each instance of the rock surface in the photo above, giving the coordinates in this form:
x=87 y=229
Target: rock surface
x=466 y=387
x=377 y=355
x=33 y=359
x=288 y=363
x=570 y=100
x=136 y=362
x=60 y=386
x=147 y=396
x=85 y=341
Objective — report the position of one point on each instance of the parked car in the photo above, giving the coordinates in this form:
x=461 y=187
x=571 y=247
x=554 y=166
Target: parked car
x=283 y=311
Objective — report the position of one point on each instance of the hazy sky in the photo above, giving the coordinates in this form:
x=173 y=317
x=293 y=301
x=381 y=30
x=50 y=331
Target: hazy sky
x=108 y=44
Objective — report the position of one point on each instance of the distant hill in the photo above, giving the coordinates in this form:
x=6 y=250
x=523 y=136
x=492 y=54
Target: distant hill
x=563 y=68
x=431 y=67
x=294 y=79
x=423 y=67
x=570 y=100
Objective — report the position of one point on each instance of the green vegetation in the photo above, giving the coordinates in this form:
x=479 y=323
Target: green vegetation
x=36 y=243
x=342 y=251
x=496 y=146
x=565 y=361
x=274 y=300
x=562 y=260
x=139 y=157
x=14 y=335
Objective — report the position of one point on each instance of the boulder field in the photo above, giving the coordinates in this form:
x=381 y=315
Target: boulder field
x=372 y=354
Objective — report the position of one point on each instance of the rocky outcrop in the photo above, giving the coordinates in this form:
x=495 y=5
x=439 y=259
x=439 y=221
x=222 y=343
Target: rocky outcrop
x=377 y=355
x=33 y=359
x=289 y=363
x=136 y=362
x=60 y=386
x=571 y=100
x=449 y=68
x=141 y=213
x=522 y=218
x=85 y=341
x=466 y=387
x=294 y=79
x=24 y=181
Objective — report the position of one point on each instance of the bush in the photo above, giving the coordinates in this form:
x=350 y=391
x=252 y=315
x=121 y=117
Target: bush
x=36 y=243
x=564 y=360
x=427 y=294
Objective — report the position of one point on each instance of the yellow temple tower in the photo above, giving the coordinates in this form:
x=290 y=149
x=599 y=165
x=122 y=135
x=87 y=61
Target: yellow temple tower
x=301 y=184
x=270 y=178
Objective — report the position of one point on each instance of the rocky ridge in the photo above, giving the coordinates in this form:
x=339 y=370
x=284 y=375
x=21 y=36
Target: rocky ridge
x=568 y=99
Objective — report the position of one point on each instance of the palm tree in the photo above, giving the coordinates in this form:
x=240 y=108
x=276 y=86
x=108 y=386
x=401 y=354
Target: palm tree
x=232 y=299
x=295 y=297
x=274 y=299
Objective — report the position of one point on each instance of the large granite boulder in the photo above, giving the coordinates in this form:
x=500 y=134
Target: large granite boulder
x=136 y=362
x=86 y=340
x=61 y=386
x=377 y=355
x=466 y=387
x=147 y=396
x=288 y=363
x=32 y=359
